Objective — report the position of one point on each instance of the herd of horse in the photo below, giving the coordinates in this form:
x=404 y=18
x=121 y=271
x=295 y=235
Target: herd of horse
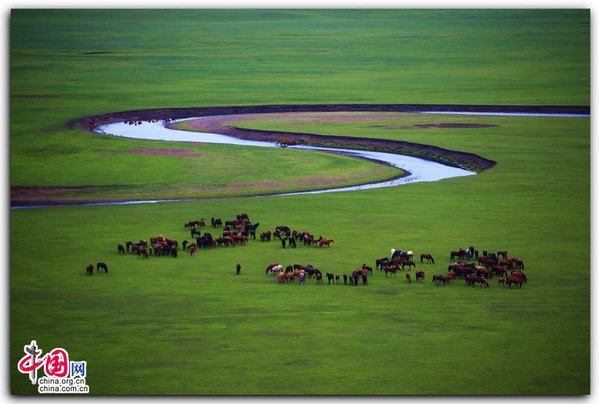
x=474 y=269
x=466 y=263
x=293 y=237
x=300 y=272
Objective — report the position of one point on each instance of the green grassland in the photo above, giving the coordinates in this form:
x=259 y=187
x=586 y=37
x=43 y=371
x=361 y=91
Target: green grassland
x=189 y=325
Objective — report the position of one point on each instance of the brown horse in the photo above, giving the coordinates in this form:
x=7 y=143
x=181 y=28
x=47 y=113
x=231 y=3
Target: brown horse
x=457 y=254
x=408 y=277
x=499 y=270
x=407 y=263
x=326 y=242
x=518 y=264
x=429 y=258
x=392 y=270
x=506 y=263
x=517 y=281
x=520 y=275
x=90 y=269
x=419 y=275
x=503 y=254
x=483 y=272
x=472 y=279
x=367 y=268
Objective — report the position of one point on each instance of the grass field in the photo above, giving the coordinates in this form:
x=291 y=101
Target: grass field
x=191 y=326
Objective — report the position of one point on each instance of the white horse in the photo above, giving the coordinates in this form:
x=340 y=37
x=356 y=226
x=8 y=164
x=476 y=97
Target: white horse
x=278 y=268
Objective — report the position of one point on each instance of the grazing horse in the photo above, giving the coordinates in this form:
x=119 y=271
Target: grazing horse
x=381 y=263
x=345 y=279
x=502 y=254
x=90 y=269
x=516 y=280
x=276 y=268
x=501 y=281
x=457 y=254
x=438 y=279
x=407 y=263
x=281 y=277
x=483 y=272
x=330 y=277
x=499 y=270
x=101 y=265
x=121 y=249
x=408 y=277
x=471 y=280
x=419 y=275
x=518 y=264
x=392 y=270
x=488 y=260
x=429 y=258
x=268 y=268
x=367 y=268
x=520 y=275
x=508 y=264
x=319 y=277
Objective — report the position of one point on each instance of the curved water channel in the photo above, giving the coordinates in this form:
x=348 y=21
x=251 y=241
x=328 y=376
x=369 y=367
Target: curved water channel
x=420 y=170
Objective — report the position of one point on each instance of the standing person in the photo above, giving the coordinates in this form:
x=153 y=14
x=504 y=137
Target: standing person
x=238 y=267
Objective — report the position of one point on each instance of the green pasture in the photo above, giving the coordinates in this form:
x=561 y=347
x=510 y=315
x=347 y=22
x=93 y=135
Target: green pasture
x=189 y=325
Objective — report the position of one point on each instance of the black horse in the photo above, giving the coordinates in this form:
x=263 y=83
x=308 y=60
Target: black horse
x=101 y=265
x=330 y=277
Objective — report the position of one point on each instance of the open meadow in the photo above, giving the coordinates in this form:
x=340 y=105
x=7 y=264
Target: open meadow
x=190 y=325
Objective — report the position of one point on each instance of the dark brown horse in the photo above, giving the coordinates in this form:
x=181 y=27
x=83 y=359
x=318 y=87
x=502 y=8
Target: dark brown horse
x=438 y=280
x=503 y=254
x=457 y=254
x=407 y=263
x=429 y=258
x=90 y=269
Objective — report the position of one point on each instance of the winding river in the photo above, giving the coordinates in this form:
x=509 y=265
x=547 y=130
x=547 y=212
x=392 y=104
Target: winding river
x=420 y=170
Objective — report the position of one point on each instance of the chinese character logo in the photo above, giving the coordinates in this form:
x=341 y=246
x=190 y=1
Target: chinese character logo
x=57 y=367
